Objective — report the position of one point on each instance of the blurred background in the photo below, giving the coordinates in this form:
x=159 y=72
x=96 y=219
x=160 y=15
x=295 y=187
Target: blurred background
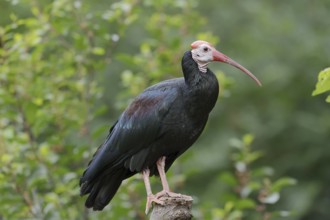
x=68 y=68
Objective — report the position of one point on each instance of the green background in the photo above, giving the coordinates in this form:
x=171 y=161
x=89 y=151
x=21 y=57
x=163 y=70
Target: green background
x=68 y=68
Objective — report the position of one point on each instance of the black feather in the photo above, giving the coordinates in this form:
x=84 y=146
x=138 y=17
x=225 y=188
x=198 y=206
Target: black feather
x=164 y=120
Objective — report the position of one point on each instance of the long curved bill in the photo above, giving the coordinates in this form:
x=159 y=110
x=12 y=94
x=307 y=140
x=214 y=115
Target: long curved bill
x=217 y=56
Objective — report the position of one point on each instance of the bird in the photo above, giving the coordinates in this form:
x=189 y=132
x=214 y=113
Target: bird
x=158 y=126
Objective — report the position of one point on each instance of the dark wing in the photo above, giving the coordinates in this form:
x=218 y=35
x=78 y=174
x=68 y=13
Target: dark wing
x=138 y=126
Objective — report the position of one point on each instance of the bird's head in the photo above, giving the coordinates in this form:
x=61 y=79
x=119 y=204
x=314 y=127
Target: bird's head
x=204 y=53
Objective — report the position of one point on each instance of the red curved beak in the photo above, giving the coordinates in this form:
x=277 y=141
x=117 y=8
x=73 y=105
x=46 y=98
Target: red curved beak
x=217 y=56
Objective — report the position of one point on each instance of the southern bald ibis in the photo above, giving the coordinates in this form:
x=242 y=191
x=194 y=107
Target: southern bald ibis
x=156 y=128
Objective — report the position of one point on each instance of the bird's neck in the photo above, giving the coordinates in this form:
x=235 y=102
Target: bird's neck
x=202 y=88
x=190 y=69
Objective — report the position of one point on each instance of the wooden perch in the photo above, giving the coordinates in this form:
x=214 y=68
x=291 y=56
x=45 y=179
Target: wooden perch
x=174 y=208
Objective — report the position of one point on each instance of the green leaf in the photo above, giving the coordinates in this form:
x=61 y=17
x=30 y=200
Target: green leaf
x=44 y=150
x=13 y=17
x=218 y=213
x=262 y=171
x=98 y=51
x=245 y=204
x=35 y=11
x=229 y=206
x=282 y=182
x=323 y=83
x=6 y=158
x=38 y=101
x=248 y=139
x=252 y=156
x=235 y=215
x=228 y=178
x=254 y=185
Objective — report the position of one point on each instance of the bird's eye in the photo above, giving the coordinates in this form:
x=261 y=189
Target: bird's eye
x=205 y=49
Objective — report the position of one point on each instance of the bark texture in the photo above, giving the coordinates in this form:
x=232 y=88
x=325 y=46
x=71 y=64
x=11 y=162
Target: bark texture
x=174 y=208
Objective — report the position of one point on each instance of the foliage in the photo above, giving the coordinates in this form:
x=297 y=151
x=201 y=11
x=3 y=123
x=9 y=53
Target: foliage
x=252 y=190
x=47 y=75
x=323 y=84
x=49 y=62
x=67 y=69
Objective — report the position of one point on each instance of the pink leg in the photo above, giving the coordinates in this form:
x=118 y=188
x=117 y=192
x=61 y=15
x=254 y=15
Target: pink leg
x=162 y=175
x=150 y=197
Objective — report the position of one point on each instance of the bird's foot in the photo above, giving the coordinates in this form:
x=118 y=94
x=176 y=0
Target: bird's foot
x=172 y=195
x=150 y=199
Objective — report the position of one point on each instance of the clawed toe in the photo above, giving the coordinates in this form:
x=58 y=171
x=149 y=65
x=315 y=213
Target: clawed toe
x=169 y=194
x=150 y=200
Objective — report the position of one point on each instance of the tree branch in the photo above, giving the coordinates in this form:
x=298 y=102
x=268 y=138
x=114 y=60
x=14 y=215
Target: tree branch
x=174 y=208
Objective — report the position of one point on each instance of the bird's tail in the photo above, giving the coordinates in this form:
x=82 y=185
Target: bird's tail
x=103 y=189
